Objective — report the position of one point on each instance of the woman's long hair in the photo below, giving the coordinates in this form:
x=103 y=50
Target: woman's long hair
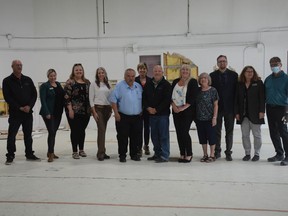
x=105 y=77
x=189 y=68
x=242 y=75
x=72 y=75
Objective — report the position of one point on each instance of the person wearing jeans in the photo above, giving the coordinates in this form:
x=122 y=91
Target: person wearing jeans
x=156 y=100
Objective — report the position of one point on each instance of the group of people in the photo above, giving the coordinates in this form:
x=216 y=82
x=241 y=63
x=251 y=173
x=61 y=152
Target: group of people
x=141 y=107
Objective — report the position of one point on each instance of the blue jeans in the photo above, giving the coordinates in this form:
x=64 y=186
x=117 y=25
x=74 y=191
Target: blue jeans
x=160 y=135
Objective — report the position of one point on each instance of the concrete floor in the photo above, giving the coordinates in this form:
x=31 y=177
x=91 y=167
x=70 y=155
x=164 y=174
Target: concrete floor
x=90 y=187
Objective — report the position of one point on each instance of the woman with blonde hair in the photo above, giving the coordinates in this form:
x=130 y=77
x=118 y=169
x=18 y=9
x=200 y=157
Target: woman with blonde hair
x=184 y=93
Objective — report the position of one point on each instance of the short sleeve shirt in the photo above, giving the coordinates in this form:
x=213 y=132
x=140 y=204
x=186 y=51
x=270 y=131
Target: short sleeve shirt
x=205 y=104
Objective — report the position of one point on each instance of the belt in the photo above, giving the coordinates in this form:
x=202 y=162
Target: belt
x=101 y=106
x=130 y=115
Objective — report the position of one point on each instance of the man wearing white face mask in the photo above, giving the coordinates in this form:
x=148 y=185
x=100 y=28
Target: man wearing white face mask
x=276 y=89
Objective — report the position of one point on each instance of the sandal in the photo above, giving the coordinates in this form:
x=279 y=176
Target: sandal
x=210 y=159
x=204 y=158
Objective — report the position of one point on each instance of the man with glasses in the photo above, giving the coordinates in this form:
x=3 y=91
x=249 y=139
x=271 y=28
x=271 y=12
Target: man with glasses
x=276 y=89
x=20 y=93
x=225 y=82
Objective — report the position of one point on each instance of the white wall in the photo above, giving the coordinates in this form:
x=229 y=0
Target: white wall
x=58 y=33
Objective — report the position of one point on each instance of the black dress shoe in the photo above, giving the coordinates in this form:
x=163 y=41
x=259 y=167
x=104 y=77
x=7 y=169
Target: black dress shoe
x=32 y=158
x=188 y=160
x=160 y=160
x=154 y=157
x=9 y=161
x=284 y=162
x=106 y=156
x=136 y=158
x=181 y=160
x=122 y=160
x=101 y=158
x=275 y=158
x=229 y=157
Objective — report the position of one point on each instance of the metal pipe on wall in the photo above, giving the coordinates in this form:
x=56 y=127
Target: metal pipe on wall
x=188 y=17
x=98 y=33
x=104 y=20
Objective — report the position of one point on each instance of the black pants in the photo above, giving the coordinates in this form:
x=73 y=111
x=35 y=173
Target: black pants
x=26 y=120
x=277 y=128
x=182 y=122
x=229 y=128
x=145 y=129
x=129 y=128
x=52 y=126
x=78 y=126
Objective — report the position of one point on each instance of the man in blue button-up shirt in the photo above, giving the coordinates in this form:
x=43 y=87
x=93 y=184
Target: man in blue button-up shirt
x=126 y=102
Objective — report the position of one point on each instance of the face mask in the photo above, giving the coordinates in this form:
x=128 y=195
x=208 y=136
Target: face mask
x=275 y=69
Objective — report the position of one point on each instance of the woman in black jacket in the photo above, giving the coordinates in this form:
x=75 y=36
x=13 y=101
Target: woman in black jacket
x=143 y=79
x=250 y=109
x=184 y=93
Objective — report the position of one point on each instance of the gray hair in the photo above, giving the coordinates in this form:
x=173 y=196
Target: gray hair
x=206 y=75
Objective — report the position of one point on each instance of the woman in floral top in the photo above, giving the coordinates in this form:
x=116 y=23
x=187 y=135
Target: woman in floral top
x=77 y=108
x=206 y=116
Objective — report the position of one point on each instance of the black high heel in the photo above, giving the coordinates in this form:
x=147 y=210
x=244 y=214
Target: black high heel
x=182 y=160
x=188 y=161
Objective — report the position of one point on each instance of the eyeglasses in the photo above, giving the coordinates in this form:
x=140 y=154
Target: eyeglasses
x=222 y=61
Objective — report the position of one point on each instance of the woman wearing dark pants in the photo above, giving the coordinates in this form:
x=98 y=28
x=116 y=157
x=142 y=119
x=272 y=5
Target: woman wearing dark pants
x=184 y=96
x=78 y=109
x=78 y=126
x=206 y=116
x=52 y=103
x=143 y=79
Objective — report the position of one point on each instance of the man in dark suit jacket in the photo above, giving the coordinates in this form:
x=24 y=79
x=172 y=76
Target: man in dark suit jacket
x=225 y=81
